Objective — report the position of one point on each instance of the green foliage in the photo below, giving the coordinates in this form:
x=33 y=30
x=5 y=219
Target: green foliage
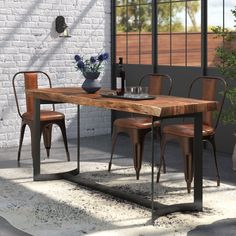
x=134 y=18
x=137 y=17
x=226 y=63
x=192 y=9
x=164 y=18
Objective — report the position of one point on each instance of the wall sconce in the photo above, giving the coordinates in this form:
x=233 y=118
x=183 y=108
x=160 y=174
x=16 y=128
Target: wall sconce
x=62 y=27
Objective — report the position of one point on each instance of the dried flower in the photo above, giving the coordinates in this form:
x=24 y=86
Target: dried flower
x=94 y=64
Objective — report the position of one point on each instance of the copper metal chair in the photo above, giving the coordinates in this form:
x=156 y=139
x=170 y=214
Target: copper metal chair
x=184 y=132
x=47 y=117
x=138 y=127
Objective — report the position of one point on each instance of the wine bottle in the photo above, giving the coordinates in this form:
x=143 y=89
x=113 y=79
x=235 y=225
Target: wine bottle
x=120 y=78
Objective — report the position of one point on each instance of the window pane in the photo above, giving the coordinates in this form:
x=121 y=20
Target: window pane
x=212 y=44
x=145 y=18
x=120 y=2
x=146 y=48
x=179 y=26
x=194 y=50
x=163 y=18
x=132 y=2
x=215 y=13
x=145 y=1
x=194 y=16
x=215 y=18
x=121 y=18
x=133 y=49
x=121 y=47
x=229 y=18
x=133 y=19
x=178 y=17
x=178 y=49
x=163 y=49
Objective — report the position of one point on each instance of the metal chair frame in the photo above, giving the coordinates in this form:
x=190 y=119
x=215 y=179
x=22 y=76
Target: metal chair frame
x=45 y=125
x=187 y=142
x=137 y=135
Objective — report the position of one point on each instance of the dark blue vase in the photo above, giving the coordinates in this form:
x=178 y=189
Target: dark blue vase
x=91 y=84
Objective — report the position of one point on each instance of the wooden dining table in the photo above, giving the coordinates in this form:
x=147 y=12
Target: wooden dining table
x=159 y=108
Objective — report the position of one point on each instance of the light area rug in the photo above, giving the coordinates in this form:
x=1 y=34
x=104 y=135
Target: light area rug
x=63 y=208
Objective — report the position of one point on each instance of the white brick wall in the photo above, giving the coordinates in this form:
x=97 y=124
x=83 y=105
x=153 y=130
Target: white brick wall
x=28 y=41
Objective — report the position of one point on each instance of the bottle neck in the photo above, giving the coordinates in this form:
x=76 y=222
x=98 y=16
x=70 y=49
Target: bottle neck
x=121 y=60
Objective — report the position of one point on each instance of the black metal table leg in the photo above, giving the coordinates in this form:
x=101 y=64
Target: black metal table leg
x=162 y=209
x=36 y=139
x=197 y=155
x=157 y=209
x=152 y=175
x=37 y=176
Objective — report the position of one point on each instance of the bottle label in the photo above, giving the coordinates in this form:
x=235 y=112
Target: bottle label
x=118 y=82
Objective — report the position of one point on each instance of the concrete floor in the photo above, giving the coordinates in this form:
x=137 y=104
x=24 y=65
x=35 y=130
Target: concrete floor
x=99 y=148
x=173 y=155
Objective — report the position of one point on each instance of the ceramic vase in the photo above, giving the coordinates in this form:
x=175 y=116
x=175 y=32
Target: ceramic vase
x=91 y=83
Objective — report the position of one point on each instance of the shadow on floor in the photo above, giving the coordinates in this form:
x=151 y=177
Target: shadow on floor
x=173 y=155
x=8 y=230
x=225 y=227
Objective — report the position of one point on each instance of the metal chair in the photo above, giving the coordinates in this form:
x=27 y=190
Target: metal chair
x=138 y=127
x=47 y=117
x=210 y=87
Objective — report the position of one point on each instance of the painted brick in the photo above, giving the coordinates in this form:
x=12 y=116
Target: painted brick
x=29 y=42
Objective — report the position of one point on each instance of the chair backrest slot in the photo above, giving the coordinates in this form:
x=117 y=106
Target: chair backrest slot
x=209 y=89
x=208 y=93
x=31 y=82
x=211 y=86
x=155 y=83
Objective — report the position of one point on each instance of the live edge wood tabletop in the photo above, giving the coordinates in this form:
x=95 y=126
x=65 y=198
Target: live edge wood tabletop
x=161 y=106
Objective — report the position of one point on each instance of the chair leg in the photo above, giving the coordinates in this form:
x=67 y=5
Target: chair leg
x=186 y=145
x=188 y=170
x=22 y=132
x=114 y=139
x=160 y=140
x=137 y=157
x=162 y=158
x=212 y=141
x=47 y=137
x=62 y=126
x=137 y=138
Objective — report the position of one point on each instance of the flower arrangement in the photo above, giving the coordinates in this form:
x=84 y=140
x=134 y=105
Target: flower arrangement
x=92 y=65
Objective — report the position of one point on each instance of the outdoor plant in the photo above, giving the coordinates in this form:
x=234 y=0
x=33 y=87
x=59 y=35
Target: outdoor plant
x=92 y=65
x=226 y=63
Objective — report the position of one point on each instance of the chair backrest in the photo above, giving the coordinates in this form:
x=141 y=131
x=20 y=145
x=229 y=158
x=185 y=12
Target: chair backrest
x=30 y=82
x=156 y=83
x=212 y=88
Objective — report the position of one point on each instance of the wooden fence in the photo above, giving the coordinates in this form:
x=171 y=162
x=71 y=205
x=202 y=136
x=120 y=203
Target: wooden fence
x=176 y=50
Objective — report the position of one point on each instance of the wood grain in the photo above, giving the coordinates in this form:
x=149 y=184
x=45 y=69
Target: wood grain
x=161 y=106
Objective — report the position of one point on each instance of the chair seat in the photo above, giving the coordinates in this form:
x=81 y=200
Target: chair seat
x=45 y=115
x=187 y=130
x=135 y=123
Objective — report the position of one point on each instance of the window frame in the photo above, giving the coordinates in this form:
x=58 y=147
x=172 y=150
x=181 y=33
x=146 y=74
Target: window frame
x=203 y=63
